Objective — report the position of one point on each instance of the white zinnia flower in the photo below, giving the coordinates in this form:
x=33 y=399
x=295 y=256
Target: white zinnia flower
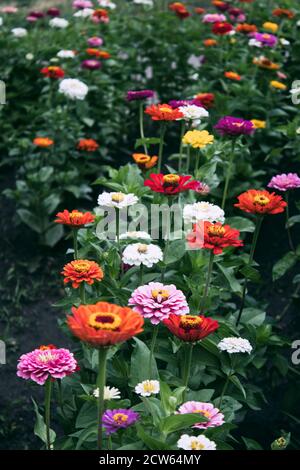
x=284 y=42
x=138 y=253
x=118 y=200
x=191 y=112
x=147 y=388
x=195 y=443
x=135 y=235
x=60 y=23
x=29 y=56
x=19 y=32
x=73 y=88
x=1 y=21
x=203 y=211
x=84 y=13
x=144 y=2
x=254 y=42
x=110 y=393
x=107 y=4
x=66 y=54
x=235 y=345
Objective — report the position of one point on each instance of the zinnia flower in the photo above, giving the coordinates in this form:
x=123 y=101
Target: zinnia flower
x=66 y=54
x=170 y=184
x=180 y=10
x=265 y=39
x=136 y=254
x=233 y=76
x=53 y=11
x=91 y=64
x=206 y=99
x=201 y=442
x=43 y=142
x=134 y=95
x=40 y=364
x=113 y=420
x=210 y=42
x=117 y=200
x=88 y=145
x=234 y=345
x=265 y=63
x=213 y=237
x=145 y=162
x=157 y=301
x=222 y=28
x=192 y=112
x=104 y=324
x=163 y=112
x=74 y=219
x=73 y=89
x=246 y=28
x=100 y=16
x=53 y=72
x=59 y=23
x=278 y=85
x=213 y=415
x=213 y=18
x=82 y=270
x=110 y=393
x=283 y=13
x=137 y=235
x=191 y=328
x=203 y=211
x=147 y=388
x=234 y=127
x=284 y=182
x=198 y=139
x=19 y=32
x=269 y=26
x=258 y=124
x=256 y=201
x=220 y=5
x=95 y=41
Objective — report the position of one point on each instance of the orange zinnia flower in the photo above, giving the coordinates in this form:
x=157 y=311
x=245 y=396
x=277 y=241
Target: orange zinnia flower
x=280 y=12
x=233 y=76
x=246 y=28
x=260 y=202
x=98 y=53
x=199 y=10
x=75 y=218
x=43 y=142
x=207 y=99
x=82 y=270
x=89 y=145
x=53 y=72
x=265 y=63
x=104 y=324
x=163 y=112
x=145 y=162
x=210 y=42
x=213 y=237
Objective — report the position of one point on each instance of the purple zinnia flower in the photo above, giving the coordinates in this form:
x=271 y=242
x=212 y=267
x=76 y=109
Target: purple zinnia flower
x=265 y=39
x=285 y=181
x=139 y=95
x=234 y=127
x=91 y=64
x=40 y=364
x=113 y=420
x=157 y=301
x=178 y=103
x=95 y=41
x=36 y=14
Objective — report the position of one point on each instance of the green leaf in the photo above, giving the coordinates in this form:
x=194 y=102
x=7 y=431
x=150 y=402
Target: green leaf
x=151 y=442
x=147 y=141
x=253 y=316
x=293 y=220
x=54 y=234
x=177 y=422
x=175 y=251
x=241 y=223
x=236 y=381
x=140 y=368
x=230 y=277
x=251 y=274
x=40 y=426
x=85 y=434
x=31 y=220
x=283 y=265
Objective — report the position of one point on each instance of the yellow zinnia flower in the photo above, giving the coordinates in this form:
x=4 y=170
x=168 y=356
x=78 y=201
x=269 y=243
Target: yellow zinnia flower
x=278 y=85
x=258 y=124
x=198 y=139
x=269 y=26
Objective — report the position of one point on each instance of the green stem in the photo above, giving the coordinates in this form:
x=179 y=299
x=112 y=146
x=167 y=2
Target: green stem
x=287 y=213
x=208 y=279
x=228 y=175
x=102 y=357
x=60 y=398
x=181 y=146
x=142 y=127
x=187 y=366
x=118 y=227
x=152 y=348
x=197 y=161
x=188 y=158
x=141 y=274
x=250 y=261
x=224 y=390
x=48 y=387
x=161 y=145
x=75 y=243
x=82 y=293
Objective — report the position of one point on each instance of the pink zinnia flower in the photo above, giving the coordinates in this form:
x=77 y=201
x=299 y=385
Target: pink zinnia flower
x=91 y=64
x=285 y=181
x=215 y=418
x=203 y=188
x=42 y=363
x=95 y=41
x=213 y=18
x=82 y=4
x=157 y=301
x=9 y=9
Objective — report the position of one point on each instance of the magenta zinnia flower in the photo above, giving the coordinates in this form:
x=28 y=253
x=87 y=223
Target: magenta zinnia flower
x=113 y=420
x=157 y=301
x=91 y=64
x=133 y=95
x=285 y=181
x=214 y=18
x=234 y=127
x=215 y=418
x=265 y=39
x=81 y=4
x=178 y=103
x=40 y=364
x=95 y=41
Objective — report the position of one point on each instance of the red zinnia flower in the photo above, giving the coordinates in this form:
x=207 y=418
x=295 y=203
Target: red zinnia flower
x=82 y=270
x=179 y=9
x=75 y=219
x=43 y=142
x=214 y=237
x=222 y=28
x=232 y=76
x=170 y=184
x=104 y=324
x=163 y=112
x=53 y=72
x=283 y=12
x=191 y=328
x=246 y=28
x=206 y=99
x=89 y=145
x=199 y=10
x=260 y=202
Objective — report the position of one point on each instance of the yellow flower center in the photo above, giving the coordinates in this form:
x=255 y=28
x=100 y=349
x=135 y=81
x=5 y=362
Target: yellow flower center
x=160 y=293
x=188 y=322
x=47 y=356
x=171 y=179
x=148 y=387
x=75 y=215
x=266 y=36
x=216 y=231
x=261 y=200
x=118 y=197
x=195 y=445
x=120 y=418
x=165 y=109
x=142 y=158
x=105 y=321
x=205 y=413
x=81 y=266
x=142 y=248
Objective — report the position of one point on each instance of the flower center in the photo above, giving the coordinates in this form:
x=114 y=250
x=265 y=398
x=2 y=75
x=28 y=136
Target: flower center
x=160 y=293
x=189 y=322
x=149 y=387
x=105 y=321
x=75 y=215
x=47 y=356
x=120 y=418
x=143 y=159
x=81 y=266
x=197 y=445
x=165 y=109
x=142 y=248
x=205 y=413
x=216 y=231
x=261 y=200
x=118 y=197
x=238 y=124
x=171 y=180
x=266 y=36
